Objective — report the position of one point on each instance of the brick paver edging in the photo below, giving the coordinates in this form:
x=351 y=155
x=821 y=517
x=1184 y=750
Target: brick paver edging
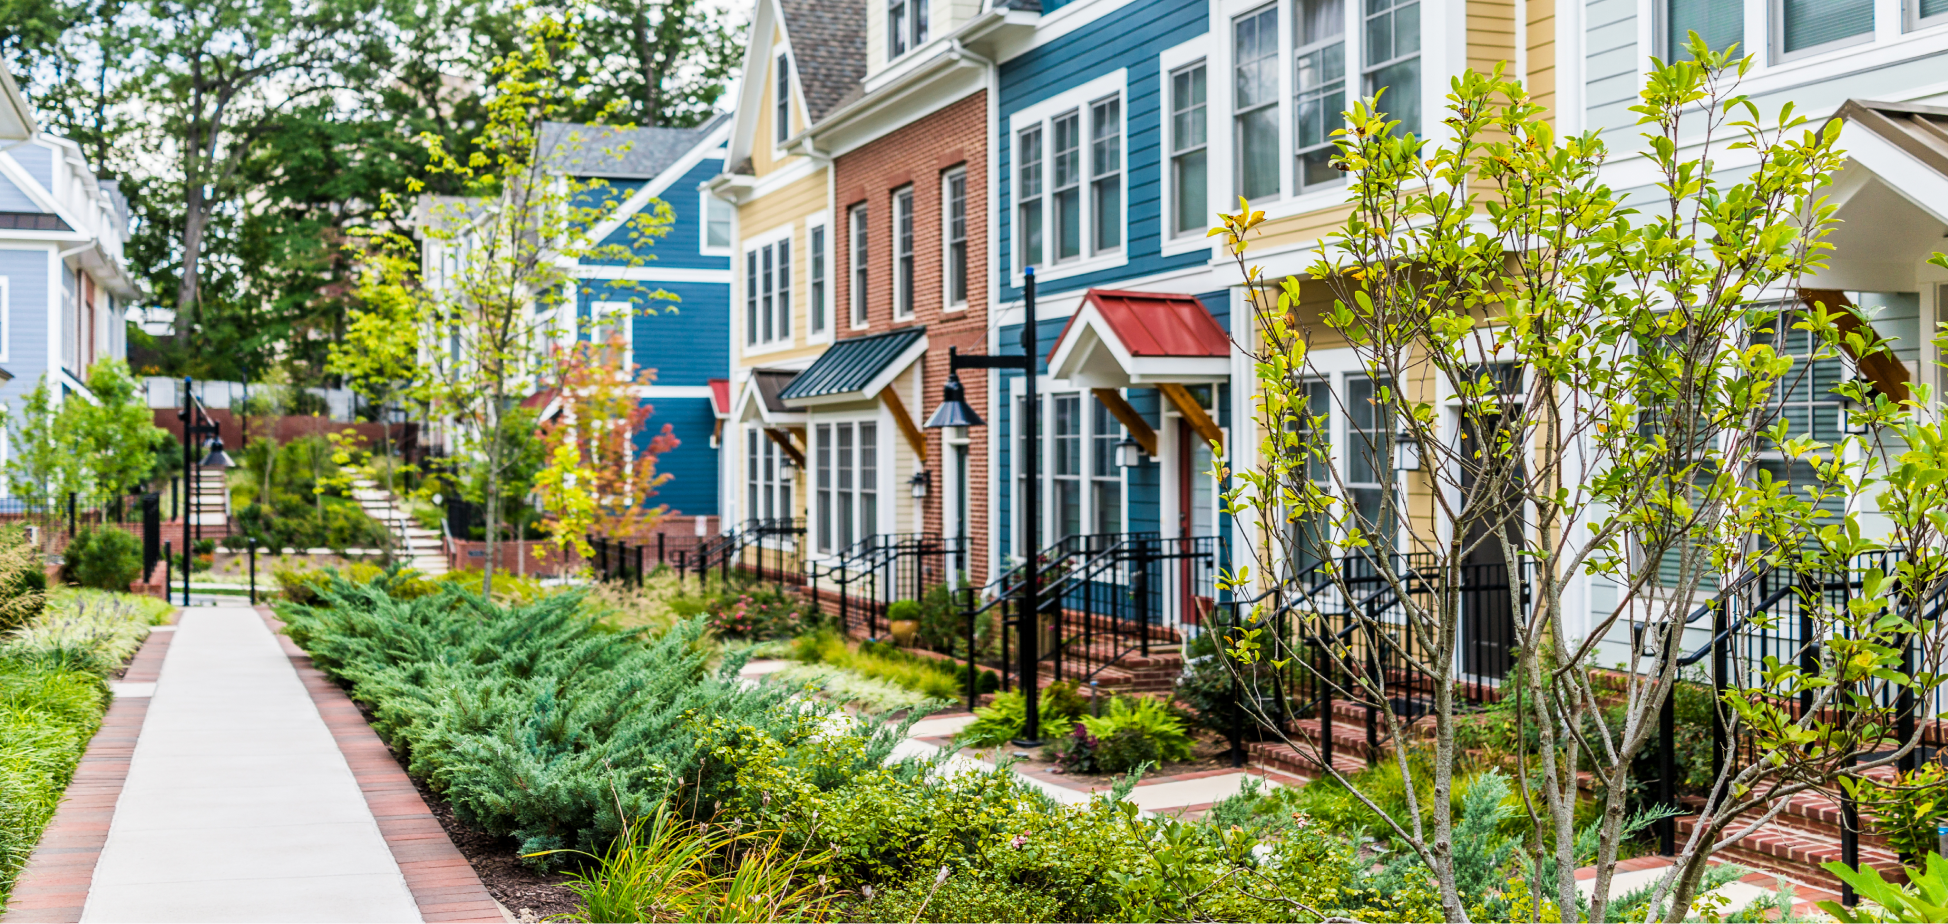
x=443 y=884
x=54 y=884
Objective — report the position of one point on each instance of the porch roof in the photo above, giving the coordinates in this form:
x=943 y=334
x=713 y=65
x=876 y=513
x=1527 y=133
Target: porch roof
x=1921 y=132
x=856 y=369
x=1119 y=338
x=720 y=397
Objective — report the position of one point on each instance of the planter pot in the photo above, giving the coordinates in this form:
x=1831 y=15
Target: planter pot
x=903 y=631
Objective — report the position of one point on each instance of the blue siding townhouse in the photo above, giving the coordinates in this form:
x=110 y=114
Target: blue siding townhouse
x=687 y=341
x=1103 y=188
x=65 y=289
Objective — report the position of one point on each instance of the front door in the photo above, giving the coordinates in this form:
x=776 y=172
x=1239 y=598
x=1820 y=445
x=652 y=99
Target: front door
x=1488 y=617
x=1196 y=518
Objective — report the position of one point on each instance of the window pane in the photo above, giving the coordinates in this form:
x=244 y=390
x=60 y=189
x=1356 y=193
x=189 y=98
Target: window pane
x=717 y=215
x=784 y=289
x=751 y=297
x=1320 y=20
x=1258 y=153
x=1187 y=108
x=1255 y=52
x=817 y=246
x=896 y=28
x=847 y=534
x=765 y=313
x=903 y=252
x=1932 y=8
x=1191 y=186
x=868 y=479
x=957 y=238
x=1392 y=59
x=1810 y=23
x=751 y=473
x=784 y=98
x=1402 y=100
x=822 y=460
x=1721 y=23
x=859 y=265
x=1031 y=203
x=1106 y=165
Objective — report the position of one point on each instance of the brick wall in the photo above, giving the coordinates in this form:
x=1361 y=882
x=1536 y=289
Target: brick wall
x=922 y=153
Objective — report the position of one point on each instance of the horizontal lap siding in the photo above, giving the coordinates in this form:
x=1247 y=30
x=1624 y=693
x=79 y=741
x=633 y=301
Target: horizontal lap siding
x=1611 y=60
x=1130 y=38
x=692 y=465
x=681 y=247
x=26 y=322
x=1542 y=55
x=685 y=341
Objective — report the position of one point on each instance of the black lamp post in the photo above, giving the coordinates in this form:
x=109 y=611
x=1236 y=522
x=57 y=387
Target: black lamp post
x=217 y=458
x=954 y=411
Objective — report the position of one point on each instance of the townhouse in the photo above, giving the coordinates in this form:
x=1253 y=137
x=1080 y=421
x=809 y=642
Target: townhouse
x=805 y=58
x=65 y=287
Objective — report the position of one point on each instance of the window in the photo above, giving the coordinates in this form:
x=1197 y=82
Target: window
x=1392 y=59
x=1105 y=480
x=1319 y=77
x=1255 y=52
x=1719 y=22
x=822 y=486
x=783 y=101
x=1924 y=13
x=817 y=307
x=1106 y=174
x=858 y=266
x=767 y=293
x=847 y=480
x=906 y=26
x=1066 y=466
x=1369 y=466
x=954 y=194
x=716 y=222
x=1030 y=186
x=1807 y=27
x=1188 y=143
x=767 y=485
x=1068 y=186
x=609 y=320
x=903 y=253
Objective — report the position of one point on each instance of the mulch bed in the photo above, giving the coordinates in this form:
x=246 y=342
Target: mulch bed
x=529 y=895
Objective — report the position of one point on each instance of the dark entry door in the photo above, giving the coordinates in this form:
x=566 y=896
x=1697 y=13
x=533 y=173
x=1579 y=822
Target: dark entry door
x=1487 y=616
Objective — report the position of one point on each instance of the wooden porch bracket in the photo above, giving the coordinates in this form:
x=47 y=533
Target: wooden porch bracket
x=1193 y=414
x=783 y=440
x=1888 y=374
x=914 y=437
x=1139 y=428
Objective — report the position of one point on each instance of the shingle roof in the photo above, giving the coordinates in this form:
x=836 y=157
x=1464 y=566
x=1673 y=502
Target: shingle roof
x=849 y=365
x=828 y=46
x=618 y=153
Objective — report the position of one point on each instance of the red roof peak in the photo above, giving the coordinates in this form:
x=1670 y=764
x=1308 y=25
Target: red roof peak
x=1154 y=323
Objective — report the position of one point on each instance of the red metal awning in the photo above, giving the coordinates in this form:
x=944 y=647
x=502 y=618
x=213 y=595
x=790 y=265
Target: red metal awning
x=1119 y=338
x=720 y=397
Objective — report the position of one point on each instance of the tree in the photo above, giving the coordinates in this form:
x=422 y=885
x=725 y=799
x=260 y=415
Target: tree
x=1591 y=388
x=510 y=247
x=601 y=469
x=94 y=444
x=42 y=469
x=667 y=60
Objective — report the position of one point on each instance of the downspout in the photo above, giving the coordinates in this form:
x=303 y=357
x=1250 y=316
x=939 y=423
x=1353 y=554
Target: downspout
x=993 y=92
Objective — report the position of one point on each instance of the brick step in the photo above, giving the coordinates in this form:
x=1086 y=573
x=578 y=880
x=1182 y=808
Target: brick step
x=1819 y=814
x=1346 y=738
x=1277 y=755
x=1797 y=853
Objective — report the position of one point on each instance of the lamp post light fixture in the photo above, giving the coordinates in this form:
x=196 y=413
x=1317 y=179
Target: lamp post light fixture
x=1129 y=453
x=918 y=483
x=1406 y=453
x=954 y=411
x=217 y=459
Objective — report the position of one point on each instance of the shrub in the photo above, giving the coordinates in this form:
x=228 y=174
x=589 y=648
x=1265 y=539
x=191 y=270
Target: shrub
x=756 y=616
x=1134 y=731
x=943 y=623
x=1003 y=719
x=903 y=611
x=667 y=868
x=105 y=558
x=306 y=586
x=534 y=720
x=966 y=895
x=880 y=661
x=850 y=688
x=23 y=580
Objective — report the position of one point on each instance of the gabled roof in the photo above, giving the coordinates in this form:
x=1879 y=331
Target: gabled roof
x=618 y=153
x=1119 y=338
x=828 y=45
x=856 y=369
x=1919 y=131
x=770 y=384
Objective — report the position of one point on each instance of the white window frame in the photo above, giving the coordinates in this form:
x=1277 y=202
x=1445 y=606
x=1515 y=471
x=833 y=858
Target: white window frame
x=1775 y=33
x=947 y=242
x=1044 y=113
x=1346 y=38
x=901 y=205
x=753 y=340
x=823 y=454
x=1084 y=477
x=764 y=476
x=858 y=219
x=1912 y=20
x=704 y=246
x=819 y=316
x=781 y=105
x=597 y=311
x=1282 y=16
x=914 y=14
x=1170 y=62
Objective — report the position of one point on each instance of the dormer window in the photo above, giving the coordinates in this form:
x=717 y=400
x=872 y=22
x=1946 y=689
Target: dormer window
x=906 y=26
x=783 y=102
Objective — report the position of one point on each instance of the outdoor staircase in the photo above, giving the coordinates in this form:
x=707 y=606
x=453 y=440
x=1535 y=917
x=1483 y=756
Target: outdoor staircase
x=1800 y=840
x=422 y=546
x=211 y=494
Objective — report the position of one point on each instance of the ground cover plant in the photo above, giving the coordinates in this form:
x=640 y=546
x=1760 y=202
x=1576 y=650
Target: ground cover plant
x=52 y=697
x=879 y=661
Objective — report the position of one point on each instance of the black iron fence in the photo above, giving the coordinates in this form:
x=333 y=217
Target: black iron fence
x=879 y=570
x=1103 y=598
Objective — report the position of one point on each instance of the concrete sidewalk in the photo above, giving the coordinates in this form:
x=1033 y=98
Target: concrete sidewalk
x=239 y=805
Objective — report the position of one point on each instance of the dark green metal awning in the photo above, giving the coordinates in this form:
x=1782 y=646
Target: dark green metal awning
x=856 y=369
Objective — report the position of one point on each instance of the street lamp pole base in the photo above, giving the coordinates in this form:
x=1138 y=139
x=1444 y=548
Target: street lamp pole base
x=1027 y=742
